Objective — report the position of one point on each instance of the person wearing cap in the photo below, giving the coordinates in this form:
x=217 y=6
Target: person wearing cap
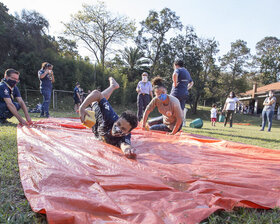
x=169 y=106
x=145 y=94
x=77 y=98
x=182 y=83
x=46 y=77
x=8 y=93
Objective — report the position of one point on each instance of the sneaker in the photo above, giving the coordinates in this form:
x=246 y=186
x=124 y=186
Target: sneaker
x=261 y=129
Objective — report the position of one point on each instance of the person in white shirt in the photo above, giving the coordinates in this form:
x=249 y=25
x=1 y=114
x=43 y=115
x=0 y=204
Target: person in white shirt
x=268 y=110
x=213 y=115
x=229 y=107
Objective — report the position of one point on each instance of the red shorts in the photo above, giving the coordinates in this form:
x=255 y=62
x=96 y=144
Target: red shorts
x=213 y=119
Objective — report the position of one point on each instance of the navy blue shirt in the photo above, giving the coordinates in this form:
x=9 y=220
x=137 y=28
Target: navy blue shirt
x=184 y=78
x=105 y=118
x=6 y=92
x=46 y=82
x=76 y=91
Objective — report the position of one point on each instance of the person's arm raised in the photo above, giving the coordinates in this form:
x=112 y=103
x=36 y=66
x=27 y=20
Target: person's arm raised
x=92 y=97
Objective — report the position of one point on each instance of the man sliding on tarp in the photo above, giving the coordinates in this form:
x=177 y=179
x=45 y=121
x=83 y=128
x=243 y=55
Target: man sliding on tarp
x=109 y=127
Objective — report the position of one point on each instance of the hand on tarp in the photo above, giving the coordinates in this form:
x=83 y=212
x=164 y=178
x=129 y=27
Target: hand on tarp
x=83 y=114
x=130 y=153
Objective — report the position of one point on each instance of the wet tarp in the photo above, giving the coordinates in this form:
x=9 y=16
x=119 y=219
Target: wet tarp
x=73 y=178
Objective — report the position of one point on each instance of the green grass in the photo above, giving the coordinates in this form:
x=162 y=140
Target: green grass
x=238 y=133
x=14 y=207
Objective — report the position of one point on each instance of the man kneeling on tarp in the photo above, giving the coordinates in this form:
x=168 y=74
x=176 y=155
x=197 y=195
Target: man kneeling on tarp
x=109 y=127
x=9 y=92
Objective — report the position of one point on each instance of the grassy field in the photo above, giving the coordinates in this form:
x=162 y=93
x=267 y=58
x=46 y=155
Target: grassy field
x=14 y=207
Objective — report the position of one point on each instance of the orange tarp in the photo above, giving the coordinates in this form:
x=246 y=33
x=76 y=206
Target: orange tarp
x=73 y=178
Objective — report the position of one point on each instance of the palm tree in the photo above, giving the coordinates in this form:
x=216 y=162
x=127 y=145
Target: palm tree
x=134 y=61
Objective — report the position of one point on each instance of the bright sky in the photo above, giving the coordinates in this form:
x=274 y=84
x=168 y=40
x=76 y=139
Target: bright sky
x=224 y=20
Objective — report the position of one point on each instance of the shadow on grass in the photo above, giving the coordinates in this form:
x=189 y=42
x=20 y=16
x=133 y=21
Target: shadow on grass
x=244 y=137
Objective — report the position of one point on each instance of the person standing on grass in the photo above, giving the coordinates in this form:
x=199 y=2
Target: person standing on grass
x=268 y=110
x=46 y=77
x=182 y=83
x=8 y=93
x=213 y=115
x=145 y=94
x=169 y=106
x=109 y=127
x=77 y=98
x=229 y=107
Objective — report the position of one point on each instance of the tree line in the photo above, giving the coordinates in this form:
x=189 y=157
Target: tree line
x=25 y=44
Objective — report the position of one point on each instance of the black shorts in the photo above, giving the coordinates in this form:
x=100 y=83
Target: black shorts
x=77 y=101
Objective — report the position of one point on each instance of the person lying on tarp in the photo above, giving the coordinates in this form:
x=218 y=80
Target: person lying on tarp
x=8 y=93
x=169 y=106
x=109 y=127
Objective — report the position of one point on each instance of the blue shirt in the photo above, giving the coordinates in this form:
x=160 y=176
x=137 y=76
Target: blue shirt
x=6 y=92
x=184 y=78
x=145 y=87
x=46 y=82
x=105 y=118
x=76 y=91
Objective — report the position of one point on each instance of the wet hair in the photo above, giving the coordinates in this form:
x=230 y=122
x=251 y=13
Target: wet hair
x=46 y=65
x=233 y=94
x=158 y=82
x=179 y=62
x=131 y=118
x=10 y=71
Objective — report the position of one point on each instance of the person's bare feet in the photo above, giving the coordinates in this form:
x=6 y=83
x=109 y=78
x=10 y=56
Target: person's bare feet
x=113 y=83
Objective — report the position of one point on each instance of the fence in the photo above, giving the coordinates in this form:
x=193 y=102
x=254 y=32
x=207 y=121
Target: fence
x=61 y=99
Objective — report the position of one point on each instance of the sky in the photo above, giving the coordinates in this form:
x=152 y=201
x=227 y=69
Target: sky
x=224 y=20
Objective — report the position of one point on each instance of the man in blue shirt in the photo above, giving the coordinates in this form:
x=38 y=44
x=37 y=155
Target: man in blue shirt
x=45 y=74
x=8 y=93
x=145 y=94
x=109 y=127
x=77 y=98
x=182 y=82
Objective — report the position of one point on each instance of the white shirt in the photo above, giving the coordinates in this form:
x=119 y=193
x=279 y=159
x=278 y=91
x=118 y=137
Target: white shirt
x=213 y=113
x=231 y=103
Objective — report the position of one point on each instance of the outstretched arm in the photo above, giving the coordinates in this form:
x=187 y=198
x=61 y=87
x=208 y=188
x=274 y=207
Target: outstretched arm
x=92 y=97
x=14 y=111
x=24 y=108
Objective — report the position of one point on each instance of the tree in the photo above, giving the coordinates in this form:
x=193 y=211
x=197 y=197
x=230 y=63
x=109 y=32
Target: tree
x=234 y=63
x=133 y=60
x=152 y=35
x=211 y=72
x=268 y=59
x=98 y=29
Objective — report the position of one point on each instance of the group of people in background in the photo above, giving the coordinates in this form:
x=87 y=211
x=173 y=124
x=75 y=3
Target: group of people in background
x=150 y=95
x=232 y=101
x=171 y=106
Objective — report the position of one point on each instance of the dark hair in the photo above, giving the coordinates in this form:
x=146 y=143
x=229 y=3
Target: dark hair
x=46 y=65
x=10 y=71
x=179 y=62
x=158 y=82
x=233 y=94
x=77 y=83
x=214 y=105
x=131 y=118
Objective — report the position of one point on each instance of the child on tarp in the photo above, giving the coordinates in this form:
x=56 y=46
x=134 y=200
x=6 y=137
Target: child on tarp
x=213 y=114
